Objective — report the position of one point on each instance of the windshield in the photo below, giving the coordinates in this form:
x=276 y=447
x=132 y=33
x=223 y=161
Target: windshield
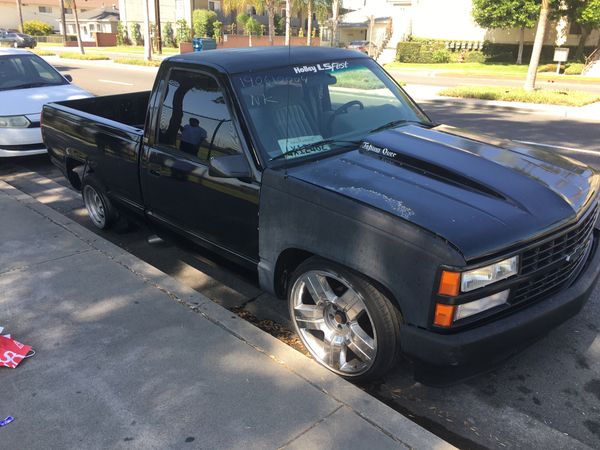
x=26 y=71
x=296 y=111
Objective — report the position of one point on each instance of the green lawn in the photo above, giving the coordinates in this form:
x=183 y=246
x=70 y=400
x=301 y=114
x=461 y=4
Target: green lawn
x=511 y=94
x=485 y=70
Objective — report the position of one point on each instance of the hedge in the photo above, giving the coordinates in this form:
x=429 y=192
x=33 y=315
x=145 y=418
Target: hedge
x=420 y=51
x=508 y=52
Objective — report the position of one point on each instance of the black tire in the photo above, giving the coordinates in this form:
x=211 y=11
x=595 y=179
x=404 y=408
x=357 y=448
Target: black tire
x=383 y=326
x=100 y=209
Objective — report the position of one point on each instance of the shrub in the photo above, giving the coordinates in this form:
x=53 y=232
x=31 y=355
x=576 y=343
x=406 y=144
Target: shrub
x=37 y=28
x=574 y=69
x=122 y=34
x=547 y=68
x=217 y=29
x=202 y=22
x=441 y=56
x=168 y=35
x=475 y=57
x=136 y=34
x=408 y=52
x=508 y=52
x=183 y=31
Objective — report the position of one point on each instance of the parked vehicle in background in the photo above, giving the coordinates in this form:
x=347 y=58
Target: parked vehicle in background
x=361 y=46
x=387 y=234
x=17 y=40
x=26 y=83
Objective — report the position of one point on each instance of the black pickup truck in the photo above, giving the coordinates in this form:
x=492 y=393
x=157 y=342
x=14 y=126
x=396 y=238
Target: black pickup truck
x=388 y=234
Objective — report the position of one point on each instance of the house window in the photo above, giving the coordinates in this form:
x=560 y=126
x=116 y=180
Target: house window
x=45 y=9
x=214 y=6
x=68 y=10
x=92 y=27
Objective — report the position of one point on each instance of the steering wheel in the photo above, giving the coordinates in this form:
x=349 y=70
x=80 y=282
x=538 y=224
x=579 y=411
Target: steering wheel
x=343 y=110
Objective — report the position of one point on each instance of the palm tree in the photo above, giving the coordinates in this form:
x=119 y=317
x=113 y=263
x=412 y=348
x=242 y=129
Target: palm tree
x=288 y=18
x=335 y=17
x=73 y=5
x=62 y=20
x=237 y=6
x=537 y=46
x=305 y=6
x=20 y=11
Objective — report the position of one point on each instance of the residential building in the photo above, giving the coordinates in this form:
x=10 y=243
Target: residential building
x=45 y=10
x=387 y=22
x=99 y=20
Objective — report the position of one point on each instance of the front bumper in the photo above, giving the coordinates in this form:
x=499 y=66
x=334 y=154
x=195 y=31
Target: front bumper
x=22 y=141
x=498 y=340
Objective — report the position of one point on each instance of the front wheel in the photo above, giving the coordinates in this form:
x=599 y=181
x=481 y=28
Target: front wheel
x=346 y=324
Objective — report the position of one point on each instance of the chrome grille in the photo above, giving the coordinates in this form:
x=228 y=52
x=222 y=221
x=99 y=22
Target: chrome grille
x=551 y=264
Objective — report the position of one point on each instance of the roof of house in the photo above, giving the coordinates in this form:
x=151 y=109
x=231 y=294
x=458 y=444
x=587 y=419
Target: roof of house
x=237 y=60
x=96 y=15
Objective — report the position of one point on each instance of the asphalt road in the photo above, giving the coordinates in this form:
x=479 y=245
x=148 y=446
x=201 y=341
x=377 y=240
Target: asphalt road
x=440 y=79
x=547 y=396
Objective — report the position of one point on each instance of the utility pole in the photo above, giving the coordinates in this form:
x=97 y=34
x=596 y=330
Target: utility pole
x=63 y=21
x=158 y=30
x=147 y=38
x=19 y=9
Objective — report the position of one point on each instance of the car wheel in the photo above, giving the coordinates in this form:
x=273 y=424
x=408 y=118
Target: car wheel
x=99 y=207
x=345 y=323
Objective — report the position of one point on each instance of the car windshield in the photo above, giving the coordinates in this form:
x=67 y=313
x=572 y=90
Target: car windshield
x=27 y=71
x=300 y=110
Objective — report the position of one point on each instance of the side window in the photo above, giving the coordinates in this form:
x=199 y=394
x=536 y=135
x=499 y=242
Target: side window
x=194 y=118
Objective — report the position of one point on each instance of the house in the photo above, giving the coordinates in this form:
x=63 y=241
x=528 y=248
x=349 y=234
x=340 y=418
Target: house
x=45 y=10
x=397 y=20
x=99 y=20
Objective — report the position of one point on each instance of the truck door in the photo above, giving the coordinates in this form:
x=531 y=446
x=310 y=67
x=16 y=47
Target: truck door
x=194 y=123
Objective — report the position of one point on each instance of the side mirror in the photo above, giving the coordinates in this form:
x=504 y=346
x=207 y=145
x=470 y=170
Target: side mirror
x=229 y=166
x=68 y=77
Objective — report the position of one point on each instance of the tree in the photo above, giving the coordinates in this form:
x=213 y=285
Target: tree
x=288 y=19
x=169 y=35
x=63 y=22
x=537 y=46
x=73 y=4
x=183 y=31
x=147 y=36
x=217 y=30
x=503 y=14
x=203 y=21
x=588 y=16
x=20 y=12
x=335 y=18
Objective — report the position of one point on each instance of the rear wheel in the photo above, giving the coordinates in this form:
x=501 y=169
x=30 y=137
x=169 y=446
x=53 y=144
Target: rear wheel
x=346 y=324
x=99 y=207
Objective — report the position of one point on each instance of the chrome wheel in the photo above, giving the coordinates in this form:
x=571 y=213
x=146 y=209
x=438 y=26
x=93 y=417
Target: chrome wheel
x=333 y=322
x=95 y=206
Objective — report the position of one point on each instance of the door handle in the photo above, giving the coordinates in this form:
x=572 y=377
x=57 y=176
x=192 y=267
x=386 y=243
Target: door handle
x=154 y=172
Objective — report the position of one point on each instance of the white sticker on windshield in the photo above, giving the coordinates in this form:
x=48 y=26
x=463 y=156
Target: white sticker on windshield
x=289 y=144
x=330 y=66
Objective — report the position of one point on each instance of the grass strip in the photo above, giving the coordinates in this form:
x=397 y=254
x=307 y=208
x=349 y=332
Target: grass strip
x=87 y=56
x=137 y=61
x=510 y=94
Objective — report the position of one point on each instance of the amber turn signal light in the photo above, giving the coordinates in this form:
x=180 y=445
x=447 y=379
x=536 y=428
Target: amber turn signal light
x=449 y=284
x=444 y=315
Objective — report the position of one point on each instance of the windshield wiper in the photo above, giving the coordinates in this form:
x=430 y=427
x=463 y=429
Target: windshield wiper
x=395 y=123
x=305 y=147
x=30 y=85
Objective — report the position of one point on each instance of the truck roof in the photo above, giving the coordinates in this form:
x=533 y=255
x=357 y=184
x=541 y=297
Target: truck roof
x=236 y=60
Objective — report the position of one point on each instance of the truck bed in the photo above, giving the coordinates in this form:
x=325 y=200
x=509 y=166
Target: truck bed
x=103 y=134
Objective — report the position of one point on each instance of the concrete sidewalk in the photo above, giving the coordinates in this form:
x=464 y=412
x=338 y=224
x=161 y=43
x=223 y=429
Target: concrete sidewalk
x=129 y=358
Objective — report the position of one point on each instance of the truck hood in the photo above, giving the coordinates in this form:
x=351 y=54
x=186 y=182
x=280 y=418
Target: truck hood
x=30 y=101
x=481 y=194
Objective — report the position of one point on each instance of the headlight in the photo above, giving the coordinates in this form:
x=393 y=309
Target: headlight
x=477 y=278
x=14 y=122
x=483 y=304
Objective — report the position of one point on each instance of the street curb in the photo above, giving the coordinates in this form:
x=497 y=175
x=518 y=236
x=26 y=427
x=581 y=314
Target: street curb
x=379 y=415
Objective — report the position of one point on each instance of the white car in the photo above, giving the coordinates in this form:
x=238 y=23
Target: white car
x=27 y=82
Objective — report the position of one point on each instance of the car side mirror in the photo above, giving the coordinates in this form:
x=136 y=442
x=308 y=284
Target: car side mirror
x=68 y=77
x=229 y=166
